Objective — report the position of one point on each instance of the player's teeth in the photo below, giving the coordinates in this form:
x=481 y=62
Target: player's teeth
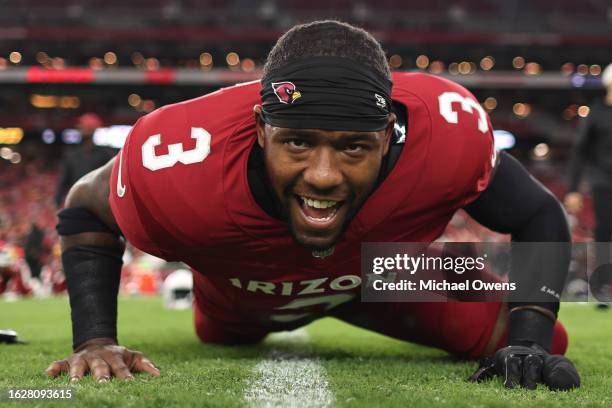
x=319 y=203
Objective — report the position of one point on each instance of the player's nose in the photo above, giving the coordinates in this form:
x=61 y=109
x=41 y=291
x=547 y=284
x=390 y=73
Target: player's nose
x=323 y=172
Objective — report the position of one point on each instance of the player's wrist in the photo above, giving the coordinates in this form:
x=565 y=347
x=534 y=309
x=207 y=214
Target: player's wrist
x=97 y=341
x=531 y=325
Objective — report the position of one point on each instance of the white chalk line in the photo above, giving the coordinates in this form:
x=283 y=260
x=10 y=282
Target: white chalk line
x=285 y=380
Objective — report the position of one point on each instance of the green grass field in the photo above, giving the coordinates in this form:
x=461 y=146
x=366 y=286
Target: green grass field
x=360 y=368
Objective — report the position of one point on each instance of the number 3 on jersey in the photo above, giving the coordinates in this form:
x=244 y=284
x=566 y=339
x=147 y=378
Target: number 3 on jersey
x=446 y=101
x=176 y=153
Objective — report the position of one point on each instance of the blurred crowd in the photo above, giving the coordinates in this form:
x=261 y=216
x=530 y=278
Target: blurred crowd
x=30 y=256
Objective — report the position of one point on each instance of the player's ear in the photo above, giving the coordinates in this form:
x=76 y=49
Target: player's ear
x=259 y=125
x=389 y=132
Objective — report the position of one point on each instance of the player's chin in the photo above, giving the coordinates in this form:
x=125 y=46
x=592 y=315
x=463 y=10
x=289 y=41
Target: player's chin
x=317 y=233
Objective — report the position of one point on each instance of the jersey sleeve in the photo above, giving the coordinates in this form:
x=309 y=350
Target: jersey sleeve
x=158 y=176
x=136 y=224
x=462 y=146
x=479 y=148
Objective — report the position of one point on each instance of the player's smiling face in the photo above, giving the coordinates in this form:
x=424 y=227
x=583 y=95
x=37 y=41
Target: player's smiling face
x=322 y=177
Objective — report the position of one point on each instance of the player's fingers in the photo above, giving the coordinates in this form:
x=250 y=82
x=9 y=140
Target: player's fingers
x=485 y=371
x=78 y=367
x=532 y=371
x=143 y=365
x=99 y=369
x=482 y=374
x=559 y=373
x=119 y=369
x=513 y=371
x=57 y=367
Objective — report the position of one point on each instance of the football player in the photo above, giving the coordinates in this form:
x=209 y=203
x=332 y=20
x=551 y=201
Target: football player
x=267 y=190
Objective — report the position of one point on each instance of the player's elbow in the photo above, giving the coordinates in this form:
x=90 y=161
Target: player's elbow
x=560 y=230
x=91 y=190
x=80 y=193
x=548 y=224
x=91 y=193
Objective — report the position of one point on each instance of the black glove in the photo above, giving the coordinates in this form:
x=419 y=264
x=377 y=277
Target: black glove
x=527 y=366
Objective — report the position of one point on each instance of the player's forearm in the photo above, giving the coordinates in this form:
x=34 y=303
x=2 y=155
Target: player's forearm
x=515 y=203
x=582 y=147
x=92 y=258
x=92 y=277
x=540 y=271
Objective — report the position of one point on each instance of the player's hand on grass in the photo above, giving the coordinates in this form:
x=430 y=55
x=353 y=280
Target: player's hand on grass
x=528 y=366
x=103 y=358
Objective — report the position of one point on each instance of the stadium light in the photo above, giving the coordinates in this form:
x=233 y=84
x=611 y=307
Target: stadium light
x=206 y=59
x=247 y=65
x=134 y=100
x=42 y=57
x=521 y=110
x=113 y=136
x=110 y=58
x=152 y=64
x=232 y=59
x=567 y=69
x=71 y=136
x=518 y=62
x=490 y=103
x=503 y=139
x=15 y=57
x=487 y=63
x=584 y=111
x=533 y=68
x=11 y=135
x=422 y=61
x=541 y=151
x=137 y=58
x=395 y=61
x=15 y=158
x=6 y=153
x=48 y=136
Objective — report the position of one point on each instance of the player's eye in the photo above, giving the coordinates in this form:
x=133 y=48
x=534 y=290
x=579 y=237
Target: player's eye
x=297 y=144
x=354 y=149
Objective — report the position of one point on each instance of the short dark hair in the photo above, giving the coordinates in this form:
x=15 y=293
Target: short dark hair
x=327 y=38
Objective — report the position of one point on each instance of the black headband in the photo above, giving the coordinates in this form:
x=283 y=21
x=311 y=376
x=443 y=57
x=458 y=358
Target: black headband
x=330 y=93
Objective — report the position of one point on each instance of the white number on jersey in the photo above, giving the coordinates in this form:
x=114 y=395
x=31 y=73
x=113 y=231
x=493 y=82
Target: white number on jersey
x=446 y=101
x=176 y=153
x=330 y=301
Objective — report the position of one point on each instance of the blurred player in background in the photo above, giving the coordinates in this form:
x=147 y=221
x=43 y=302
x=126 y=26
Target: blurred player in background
x=594 y=149
x=34 y=249
x=268 y=189
x=85 y=158
x=13 y=274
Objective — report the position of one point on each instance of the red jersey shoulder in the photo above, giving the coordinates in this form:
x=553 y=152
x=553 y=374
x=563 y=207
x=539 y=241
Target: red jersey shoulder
x=446 y=100
x=166 y=184
x=461 y=151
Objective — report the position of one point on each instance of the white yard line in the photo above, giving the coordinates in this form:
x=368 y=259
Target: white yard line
x=282 y=380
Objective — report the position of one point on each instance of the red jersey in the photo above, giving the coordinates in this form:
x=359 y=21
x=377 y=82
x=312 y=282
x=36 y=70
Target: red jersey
x=179 y=191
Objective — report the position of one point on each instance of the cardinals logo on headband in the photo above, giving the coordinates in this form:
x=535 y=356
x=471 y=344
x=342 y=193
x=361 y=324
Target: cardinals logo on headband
x=286 y=91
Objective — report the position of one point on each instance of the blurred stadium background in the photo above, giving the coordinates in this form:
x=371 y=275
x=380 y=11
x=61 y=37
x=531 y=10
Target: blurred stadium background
x=534 y=65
